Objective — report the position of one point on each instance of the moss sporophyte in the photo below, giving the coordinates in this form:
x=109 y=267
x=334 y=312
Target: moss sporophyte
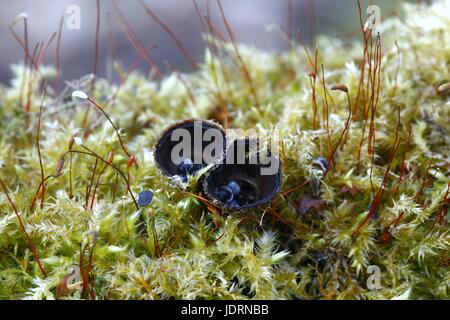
x=320 y=173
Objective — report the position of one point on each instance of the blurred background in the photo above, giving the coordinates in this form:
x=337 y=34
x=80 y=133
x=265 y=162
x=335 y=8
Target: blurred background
x=252 y=22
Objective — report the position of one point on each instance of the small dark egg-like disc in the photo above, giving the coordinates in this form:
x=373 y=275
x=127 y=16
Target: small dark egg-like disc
x=145 y=198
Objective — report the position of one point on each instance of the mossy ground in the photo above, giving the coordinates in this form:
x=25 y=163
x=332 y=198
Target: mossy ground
x=274 y=252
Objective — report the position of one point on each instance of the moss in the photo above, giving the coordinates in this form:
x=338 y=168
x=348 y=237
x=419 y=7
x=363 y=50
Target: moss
x=275 y=252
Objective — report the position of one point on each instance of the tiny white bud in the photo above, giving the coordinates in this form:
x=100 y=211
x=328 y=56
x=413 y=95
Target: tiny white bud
x=22 y=15
x=79 y=94
x=78 y=141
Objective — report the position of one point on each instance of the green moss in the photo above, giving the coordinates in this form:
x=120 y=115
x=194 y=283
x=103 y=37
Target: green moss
x=268 y=253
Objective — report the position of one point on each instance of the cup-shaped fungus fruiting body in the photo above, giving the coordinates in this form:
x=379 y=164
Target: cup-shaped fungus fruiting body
x=247 y=178
x=186 y=147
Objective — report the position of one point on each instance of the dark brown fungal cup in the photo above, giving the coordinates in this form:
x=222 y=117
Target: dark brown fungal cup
x=197 y=140
x=239 y=183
